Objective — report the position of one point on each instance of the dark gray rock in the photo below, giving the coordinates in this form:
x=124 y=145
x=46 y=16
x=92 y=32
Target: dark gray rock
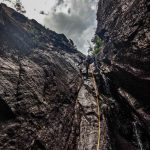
x=125 y=72
x=39 y=81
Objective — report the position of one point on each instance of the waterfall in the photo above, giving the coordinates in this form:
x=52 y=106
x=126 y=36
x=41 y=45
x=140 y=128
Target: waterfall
x=137 y=136
x=107 y=88
x=105 y=79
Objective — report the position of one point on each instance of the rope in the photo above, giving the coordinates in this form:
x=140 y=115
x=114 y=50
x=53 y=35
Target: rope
x=98 y=109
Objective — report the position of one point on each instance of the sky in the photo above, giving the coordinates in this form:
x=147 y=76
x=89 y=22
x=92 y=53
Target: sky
x=74 y=18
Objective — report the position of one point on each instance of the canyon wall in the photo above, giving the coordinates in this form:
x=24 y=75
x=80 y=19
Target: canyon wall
x=124 y=65
x=39 y=82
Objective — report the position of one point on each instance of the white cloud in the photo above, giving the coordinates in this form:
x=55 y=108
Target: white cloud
x=74 y=18
x=78 y=25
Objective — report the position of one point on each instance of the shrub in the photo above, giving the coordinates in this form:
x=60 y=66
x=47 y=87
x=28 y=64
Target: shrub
x=98 y=44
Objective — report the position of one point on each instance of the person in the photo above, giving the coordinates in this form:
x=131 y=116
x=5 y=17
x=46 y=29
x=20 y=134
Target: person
x=88 y=61
x=80 y=66
x=85 y=63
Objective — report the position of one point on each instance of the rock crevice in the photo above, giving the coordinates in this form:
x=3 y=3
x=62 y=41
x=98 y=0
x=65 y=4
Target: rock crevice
x=125 y=62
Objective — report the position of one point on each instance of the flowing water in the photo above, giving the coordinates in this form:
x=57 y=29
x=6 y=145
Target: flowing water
x=106 y=84
x=137 y=136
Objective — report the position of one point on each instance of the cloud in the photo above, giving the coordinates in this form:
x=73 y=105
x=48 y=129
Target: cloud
x=59 y=2
x=76 y=19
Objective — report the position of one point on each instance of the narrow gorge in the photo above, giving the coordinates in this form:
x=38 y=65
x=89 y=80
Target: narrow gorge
x=45 y=104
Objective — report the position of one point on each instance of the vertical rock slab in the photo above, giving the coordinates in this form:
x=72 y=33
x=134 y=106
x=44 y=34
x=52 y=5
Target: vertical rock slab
x=88 y=138
x=39 y=81
x=125 y=63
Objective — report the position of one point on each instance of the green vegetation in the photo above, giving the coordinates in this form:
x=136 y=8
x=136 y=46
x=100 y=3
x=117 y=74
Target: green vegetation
x=19 y=7
x=98 y=44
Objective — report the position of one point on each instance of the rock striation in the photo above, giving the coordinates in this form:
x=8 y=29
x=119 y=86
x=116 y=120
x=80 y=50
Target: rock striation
x=39 y=82
x=125 y=73
x=46 y=105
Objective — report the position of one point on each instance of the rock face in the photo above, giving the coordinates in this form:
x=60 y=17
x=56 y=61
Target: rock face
x=87 y=114
x=124 y=82
x=45 y=104
x=39 y=82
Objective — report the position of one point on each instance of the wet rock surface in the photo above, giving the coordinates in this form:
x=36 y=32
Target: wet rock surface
x=88 y=117
x=124 y=80
x=39 y=82
x=46 y=105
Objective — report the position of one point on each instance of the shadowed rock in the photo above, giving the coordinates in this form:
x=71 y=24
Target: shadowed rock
x=39 y=81
x=125 y=61
x=5 y=111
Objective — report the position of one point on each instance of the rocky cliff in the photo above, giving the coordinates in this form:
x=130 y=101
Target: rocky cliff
x=124 y=81
x=39 y=82
x=46 y=105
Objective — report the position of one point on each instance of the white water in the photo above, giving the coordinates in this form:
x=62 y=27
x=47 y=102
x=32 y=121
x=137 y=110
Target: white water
x=138 y=136
x=106 y=84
